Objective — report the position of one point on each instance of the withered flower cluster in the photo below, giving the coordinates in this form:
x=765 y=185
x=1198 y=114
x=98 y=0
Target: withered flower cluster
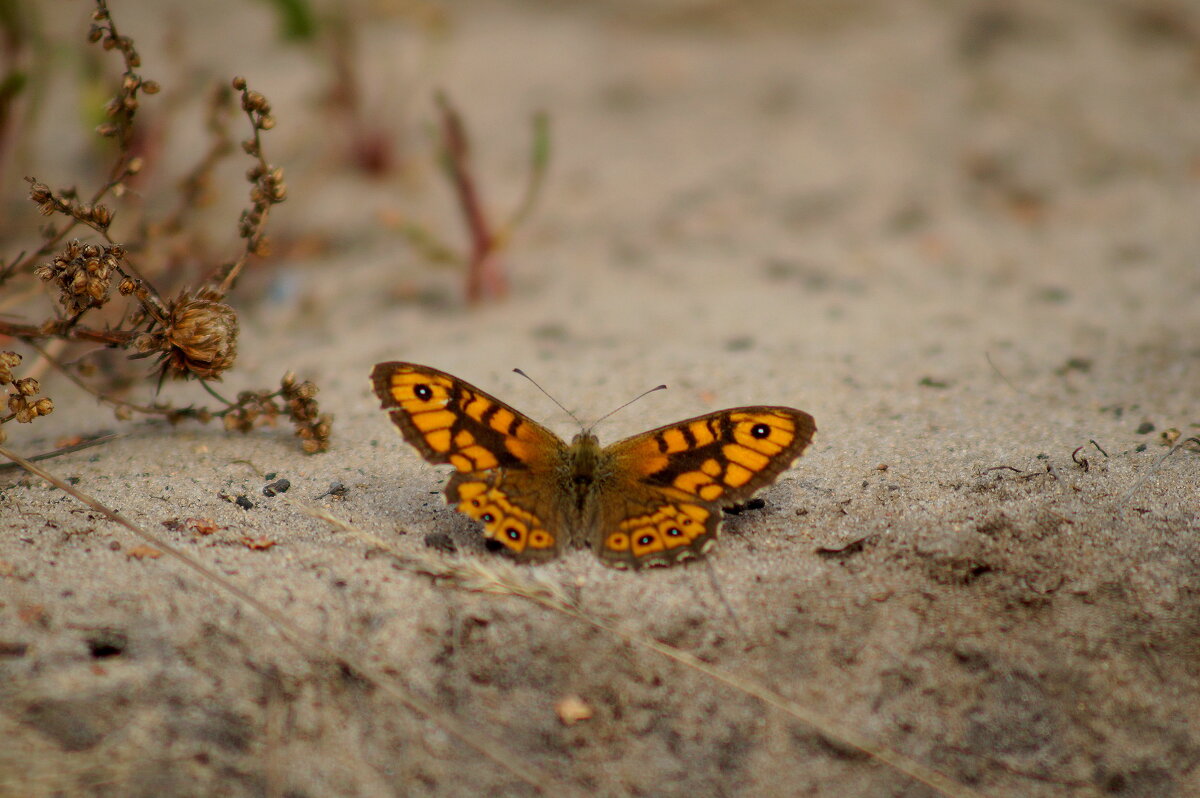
x=84 y=274
x=312 y=426
x=261 y=409
x=22 y=407
x=268 y=186
x=194 y=335
x=66 y=202
x=122 y=107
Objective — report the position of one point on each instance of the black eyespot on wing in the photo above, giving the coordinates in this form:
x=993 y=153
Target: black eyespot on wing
x=423 y=392
x=760 y=431
x=487 y=518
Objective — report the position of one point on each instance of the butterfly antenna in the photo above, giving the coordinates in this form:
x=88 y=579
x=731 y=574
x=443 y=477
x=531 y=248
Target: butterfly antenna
x=552 y=399
x=627 y=404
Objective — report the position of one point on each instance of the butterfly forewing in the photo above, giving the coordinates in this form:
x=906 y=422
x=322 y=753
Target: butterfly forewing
x=451 y=421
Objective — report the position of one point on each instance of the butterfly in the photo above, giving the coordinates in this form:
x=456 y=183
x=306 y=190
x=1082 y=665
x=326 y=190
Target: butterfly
x=653 y=499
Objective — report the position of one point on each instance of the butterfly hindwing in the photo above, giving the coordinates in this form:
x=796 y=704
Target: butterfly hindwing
x=506 y=504
x=656 y=530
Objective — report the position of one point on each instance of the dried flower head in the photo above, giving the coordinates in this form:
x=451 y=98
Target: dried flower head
x=8 y=362
x=312 y=426
x=66 y=202
x=83 y=273
x=22 y=406
x=199 y=338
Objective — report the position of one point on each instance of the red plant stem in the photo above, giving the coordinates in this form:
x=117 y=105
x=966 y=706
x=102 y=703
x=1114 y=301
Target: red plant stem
x=483 y=274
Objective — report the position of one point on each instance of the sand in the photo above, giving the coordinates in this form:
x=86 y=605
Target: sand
x=962 y=237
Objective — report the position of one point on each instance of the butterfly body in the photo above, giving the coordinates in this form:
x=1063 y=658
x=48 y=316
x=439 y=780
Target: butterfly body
x=651 y=499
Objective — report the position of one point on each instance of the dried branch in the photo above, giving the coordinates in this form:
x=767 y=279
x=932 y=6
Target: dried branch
x=194 y=335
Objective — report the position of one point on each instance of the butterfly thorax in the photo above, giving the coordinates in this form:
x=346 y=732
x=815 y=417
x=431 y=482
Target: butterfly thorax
x=583 y=464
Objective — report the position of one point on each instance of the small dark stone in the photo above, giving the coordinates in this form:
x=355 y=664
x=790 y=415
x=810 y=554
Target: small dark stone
x=278 y=486
x=1144 y=428
x=104 y=643
x=244 y=503
x=336 y=491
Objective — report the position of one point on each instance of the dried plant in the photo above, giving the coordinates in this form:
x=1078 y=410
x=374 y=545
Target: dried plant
x=22 y=406
x=192 y=336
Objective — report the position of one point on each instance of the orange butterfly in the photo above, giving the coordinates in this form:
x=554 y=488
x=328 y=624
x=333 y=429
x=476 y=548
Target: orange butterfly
x=653 y=499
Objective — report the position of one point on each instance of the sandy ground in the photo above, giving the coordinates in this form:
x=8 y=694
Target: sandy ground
x=962 y=236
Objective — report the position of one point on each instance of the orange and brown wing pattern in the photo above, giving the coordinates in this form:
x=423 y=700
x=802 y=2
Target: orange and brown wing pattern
x=657 y=531
x=503 y=459
x=678 y=477
x=720 y=458
x=451 y=421
x=507 y=506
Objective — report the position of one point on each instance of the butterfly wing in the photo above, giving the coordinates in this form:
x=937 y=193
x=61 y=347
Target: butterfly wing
x=675 y=479
x=505 y=463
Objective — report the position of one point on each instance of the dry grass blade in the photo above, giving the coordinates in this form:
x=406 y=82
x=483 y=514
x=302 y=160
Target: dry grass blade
x=59 y=452
x=498 y=576
x=1154 y=468
x=305 y=642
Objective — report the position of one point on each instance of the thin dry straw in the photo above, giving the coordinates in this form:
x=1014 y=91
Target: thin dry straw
x=305 y=641
x=497 y=576
x=1154 y=468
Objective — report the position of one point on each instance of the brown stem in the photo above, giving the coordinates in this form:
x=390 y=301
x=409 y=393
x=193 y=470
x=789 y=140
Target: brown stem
x=483 y=270
x=63 y=329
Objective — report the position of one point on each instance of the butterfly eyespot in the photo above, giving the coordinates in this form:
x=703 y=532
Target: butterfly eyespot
x=674 y=532
x=474 y=502
x=618 y=541
x=488 y=518
x=645 y=540
x=513 y=533
x=760 y=431
x=423 y=392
